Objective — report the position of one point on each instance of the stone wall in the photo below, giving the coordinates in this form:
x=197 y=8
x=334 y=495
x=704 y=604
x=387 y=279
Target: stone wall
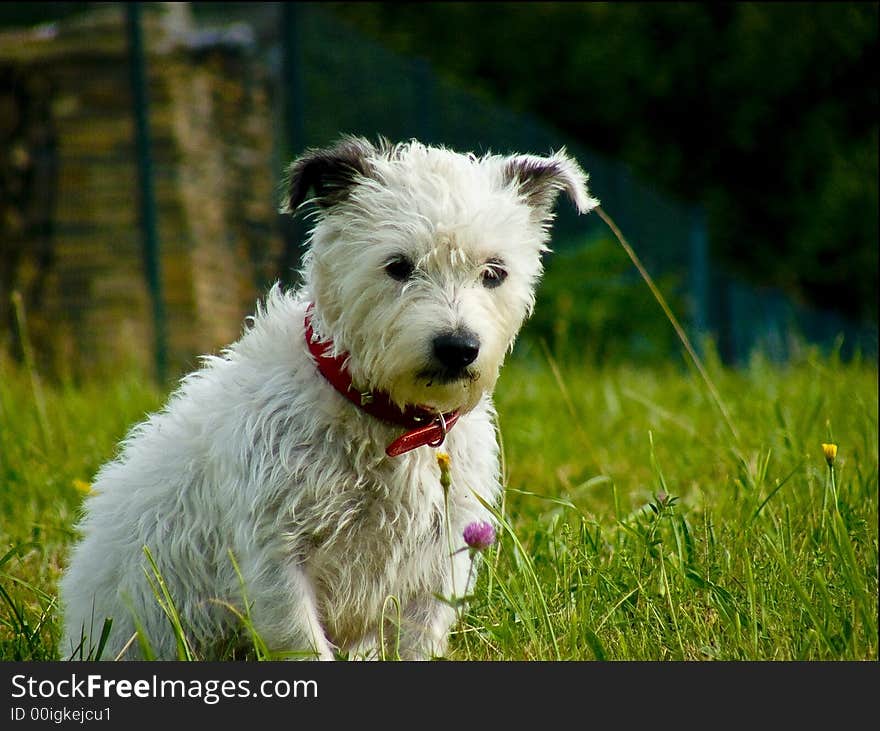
x=70 y=236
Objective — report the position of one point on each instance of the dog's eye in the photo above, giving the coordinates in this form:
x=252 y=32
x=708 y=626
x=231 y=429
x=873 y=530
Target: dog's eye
x=399 y=268
x=493 y=273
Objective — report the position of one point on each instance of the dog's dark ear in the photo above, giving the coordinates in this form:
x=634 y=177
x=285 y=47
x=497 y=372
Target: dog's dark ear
x=540 y=179
x=330 y=172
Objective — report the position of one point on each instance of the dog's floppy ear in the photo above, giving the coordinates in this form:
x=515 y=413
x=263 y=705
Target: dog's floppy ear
x=540 y=179
x=331 y=172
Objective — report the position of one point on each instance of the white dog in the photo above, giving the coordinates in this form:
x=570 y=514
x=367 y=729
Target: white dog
x=293 y=480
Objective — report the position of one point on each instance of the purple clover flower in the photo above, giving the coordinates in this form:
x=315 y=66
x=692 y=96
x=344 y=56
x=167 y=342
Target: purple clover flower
x=479 y=535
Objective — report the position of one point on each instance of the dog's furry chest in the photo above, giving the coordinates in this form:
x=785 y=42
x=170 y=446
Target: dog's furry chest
x=370 y=533
x=373 y=538
x=376 y=536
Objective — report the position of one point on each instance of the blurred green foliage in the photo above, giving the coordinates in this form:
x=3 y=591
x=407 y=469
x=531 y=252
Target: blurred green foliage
x=593 y=308
x=765 y=113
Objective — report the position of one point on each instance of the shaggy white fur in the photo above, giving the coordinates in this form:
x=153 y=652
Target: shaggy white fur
x=256 y=455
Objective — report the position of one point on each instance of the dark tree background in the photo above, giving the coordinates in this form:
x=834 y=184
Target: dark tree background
x=766 y=113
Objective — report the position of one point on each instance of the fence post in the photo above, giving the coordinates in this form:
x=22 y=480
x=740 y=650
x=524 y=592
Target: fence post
x=426 y=112
x=698 y=275
x=152 y=264
x=291 y=79
x=293 y=230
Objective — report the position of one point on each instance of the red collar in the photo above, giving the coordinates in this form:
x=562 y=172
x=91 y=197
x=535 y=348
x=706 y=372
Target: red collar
x=423 y=425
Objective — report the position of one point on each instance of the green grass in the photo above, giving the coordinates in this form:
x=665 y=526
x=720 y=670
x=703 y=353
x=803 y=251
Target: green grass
x=636 y=526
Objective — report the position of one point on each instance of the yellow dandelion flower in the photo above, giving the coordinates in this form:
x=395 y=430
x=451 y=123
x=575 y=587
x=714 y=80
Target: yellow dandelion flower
x=830 y=452
x=444 y=463
x=82 y=486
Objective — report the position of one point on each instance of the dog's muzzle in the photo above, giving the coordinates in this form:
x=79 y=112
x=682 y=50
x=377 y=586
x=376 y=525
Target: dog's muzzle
x=452 y=353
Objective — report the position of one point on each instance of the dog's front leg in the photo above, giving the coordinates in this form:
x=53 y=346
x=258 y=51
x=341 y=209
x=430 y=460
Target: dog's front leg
x=284 y=613
x=427 y=619
x=425 y=629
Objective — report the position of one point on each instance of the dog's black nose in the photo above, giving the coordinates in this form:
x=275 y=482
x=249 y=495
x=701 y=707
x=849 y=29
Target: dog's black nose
x=456 y=350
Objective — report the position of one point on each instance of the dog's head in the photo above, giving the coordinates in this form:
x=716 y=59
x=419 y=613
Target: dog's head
x=423 y=262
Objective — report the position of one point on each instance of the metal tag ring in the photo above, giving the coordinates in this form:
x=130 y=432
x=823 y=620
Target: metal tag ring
x=441 y=420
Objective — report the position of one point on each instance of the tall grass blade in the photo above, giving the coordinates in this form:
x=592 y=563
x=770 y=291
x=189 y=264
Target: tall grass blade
x=163 y=595
x=679 y=330
x=36 y=384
